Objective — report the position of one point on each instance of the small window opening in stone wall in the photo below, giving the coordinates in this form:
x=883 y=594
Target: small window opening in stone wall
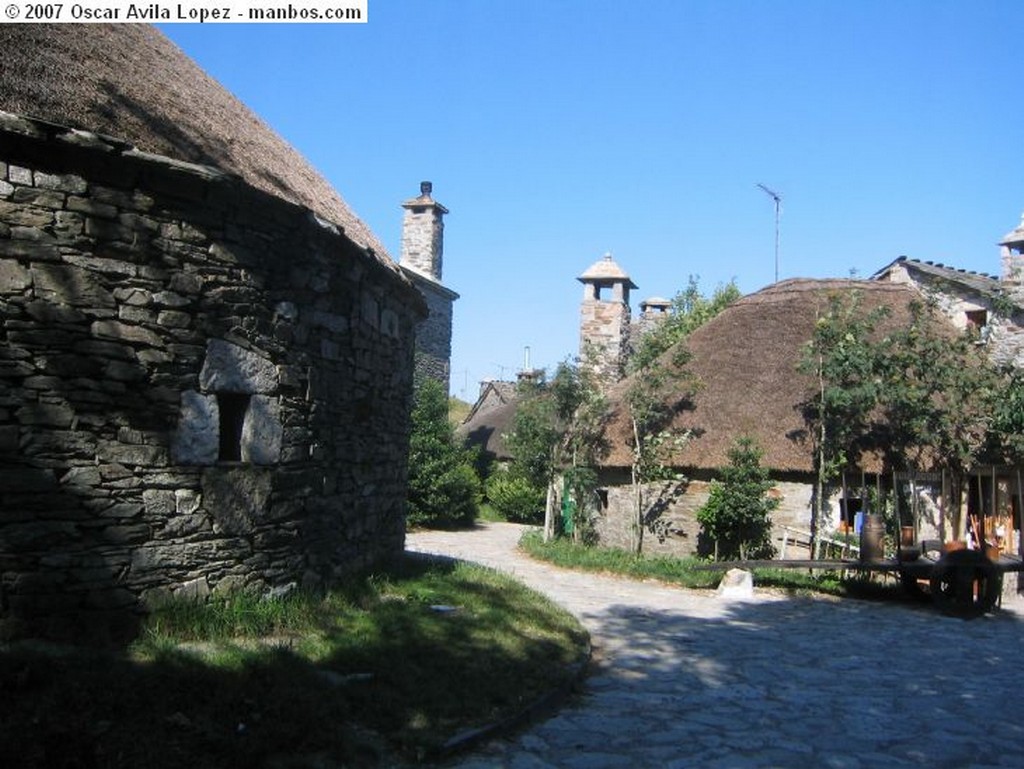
x=602 y=496
x=232 y=407
x=977 y=322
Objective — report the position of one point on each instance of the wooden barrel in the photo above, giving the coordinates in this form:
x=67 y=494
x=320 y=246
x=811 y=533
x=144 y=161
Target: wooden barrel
x=872 y=536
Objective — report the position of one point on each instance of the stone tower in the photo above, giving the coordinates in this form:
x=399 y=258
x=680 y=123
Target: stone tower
x=605 y=318
x=421 y=261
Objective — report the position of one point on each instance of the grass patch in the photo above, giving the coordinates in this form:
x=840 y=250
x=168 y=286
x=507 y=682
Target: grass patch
x=687 y=572
x=562 y=552
x=384 y=670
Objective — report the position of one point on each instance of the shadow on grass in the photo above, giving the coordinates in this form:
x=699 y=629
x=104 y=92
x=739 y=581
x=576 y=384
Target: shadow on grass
x=429 y=650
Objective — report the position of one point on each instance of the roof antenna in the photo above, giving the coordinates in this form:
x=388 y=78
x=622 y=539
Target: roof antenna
x=778 y=201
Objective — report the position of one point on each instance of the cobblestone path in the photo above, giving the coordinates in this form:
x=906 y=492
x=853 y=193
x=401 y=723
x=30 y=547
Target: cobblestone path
x=686 y=679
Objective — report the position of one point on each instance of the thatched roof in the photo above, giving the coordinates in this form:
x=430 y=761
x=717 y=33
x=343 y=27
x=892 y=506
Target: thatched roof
x=486 y=429
x=745 y=361
x=130 y=82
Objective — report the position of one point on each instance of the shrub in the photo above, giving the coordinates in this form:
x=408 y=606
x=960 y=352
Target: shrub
x=444 y=489
x=516 y=498
x=737 y=515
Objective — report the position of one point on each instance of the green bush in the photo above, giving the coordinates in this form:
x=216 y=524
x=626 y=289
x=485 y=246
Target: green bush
x=737 y=515
x=444 y=489
x=516 y=498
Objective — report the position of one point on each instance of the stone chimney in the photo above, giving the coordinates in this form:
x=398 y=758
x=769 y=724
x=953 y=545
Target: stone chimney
x=423 y=234
x=1011 y=249
x=605 y=319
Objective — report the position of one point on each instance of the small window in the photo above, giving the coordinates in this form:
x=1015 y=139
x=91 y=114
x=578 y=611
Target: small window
x=977 y=319
x=233 y=407
x=602 y=496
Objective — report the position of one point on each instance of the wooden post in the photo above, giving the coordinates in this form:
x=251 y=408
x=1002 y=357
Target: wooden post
x=942 y=505
x=981 y=513
x=846 y=501
x=1020 y=513
x=896 y=503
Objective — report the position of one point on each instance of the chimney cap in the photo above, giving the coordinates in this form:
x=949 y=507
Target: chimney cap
x=424 y=200
x=1015 y=237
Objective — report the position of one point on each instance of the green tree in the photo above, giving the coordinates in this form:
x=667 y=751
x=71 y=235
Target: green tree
x=918 y=397
x=556 y=430
x=582 y=410
x=691 y=309
x=1005 y=438
x=843 y=361
x=659 y=390
x=531 y=441
x=661 y=387
x=737 y=515
x=444 y=489
x=936 y=399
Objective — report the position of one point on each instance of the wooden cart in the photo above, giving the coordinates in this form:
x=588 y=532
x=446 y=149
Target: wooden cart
x=964 y=583
x=967 y=583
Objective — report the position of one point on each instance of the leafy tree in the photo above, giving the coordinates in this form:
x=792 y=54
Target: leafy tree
x=1005 y=438
x=532 y=441
x=690 y=310
x=659 y=390
x=843 y=360
x=444 y=489
x=917 y=397
x=582 y=409
x=936 y=399
x=737 y=515
x=557 y=429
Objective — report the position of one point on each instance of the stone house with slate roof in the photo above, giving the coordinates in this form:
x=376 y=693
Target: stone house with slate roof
x=206 y=358
x=746 y=362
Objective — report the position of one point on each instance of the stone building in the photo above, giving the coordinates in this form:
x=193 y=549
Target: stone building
x=989 y=305
x=746 y=361
x=206 y=359
x=422 y=263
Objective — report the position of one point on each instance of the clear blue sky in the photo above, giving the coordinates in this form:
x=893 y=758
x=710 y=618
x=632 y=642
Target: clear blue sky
x=557 y=130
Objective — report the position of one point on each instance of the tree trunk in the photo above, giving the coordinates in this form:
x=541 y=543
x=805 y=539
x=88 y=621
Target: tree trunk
x=638 y=494
x=819 y=490
x=549 y=512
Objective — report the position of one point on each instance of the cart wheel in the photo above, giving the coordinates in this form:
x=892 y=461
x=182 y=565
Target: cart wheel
x=965 y=583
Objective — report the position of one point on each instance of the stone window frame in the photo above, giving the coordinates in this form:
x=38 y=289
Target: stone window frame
x=249 y=382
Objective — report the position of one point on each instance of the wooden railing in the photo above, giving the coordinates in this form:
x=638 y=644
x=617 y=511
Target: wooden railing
x=798 y=537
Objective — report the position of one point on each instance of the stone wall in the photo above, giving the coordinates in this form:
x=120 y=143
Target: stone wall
x=604 y=334
x=672 y=527
x=202 y=387
x=434 y=333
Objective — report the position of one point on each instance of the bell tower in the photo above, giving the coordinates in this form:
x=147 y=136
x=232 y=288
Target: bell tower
x=605 y=319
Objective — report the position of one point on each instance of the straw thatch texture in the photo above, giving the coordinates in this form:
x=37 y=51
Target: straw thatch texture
x=746 y=361
x=130 y=82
